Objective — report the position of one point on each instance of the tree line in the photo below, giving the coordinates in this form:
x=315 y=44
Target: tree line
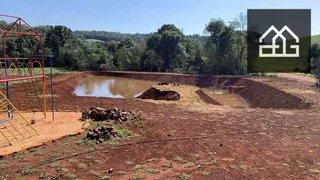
x=222 y=50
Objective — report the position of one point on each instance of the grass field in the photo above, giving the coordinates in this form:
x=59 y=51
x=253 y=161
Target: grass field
x=315 y=38
x=46 y=71
x=56 y=70
x=93 y=40
x=302 y=74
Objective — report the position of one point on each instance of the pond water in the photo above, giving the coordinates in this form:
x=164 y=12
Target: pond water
x=113 y=87
x=225 y=98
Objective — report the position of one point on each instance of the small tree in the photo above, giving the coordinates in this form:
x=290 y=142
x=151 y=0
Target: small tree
x=315 y=55
x=316 y=68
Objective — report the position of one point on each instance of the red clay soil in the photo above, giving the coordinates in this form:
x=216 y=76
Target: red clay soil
x=207 y=98
x=229 y=143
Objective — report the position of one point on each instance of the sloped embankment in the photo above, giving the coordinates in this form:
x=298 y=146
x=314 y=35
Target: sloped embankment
x=256 y=94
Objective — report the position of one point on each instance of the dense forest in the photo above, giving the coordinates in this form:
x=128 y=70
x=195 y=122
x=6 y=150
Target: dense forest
x=221 y=50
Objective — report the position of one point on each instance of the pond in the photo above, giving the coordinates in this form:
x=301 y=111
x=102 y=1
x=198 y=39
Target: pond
x=112 y=87
x=225 y=98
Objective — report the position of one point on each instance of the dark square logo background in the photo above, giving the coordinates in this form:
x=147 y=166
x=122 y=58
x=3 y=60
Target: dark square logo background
x=260 y=20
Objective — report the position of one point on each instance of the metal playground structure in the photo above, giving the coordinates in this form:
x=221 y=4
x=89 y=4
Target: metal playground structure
x=29 y=73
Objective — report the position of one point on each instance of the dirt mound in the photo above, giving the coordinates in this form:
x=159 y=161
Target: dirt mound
x=156 y=94
x=207 y=98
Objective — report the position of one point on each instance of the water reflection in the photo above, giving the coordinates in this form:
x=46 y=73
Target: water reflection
x=101 y=86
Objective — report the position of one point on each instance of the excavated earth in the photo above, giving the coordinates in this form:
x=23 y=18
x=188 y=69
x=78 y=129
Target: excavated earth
x=277 y=137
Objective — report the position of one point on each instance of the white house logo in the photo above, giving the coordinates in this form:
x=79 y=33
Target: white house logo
x=274 y=46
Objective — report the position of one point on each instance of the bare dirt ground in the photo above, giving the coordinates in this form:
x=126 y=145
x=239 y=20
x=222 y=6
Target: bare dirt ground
x=49 y=130
x=181 y=142
x=302 y=79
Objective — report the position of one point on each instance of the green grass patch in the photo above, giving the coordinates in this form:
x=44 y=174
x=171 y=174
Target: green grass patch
x=189 y=165
x=18 y=155
x=166 y=165
x=184 y=176
x=210 y=162
x=28 y=170
x=136 y=176
x=72 y=161
x=81 y=166
x=138 y=166
x=121 y=172
x=5 y=166
x=122 y=132
x=303 y=74
x=43 y=175
x=105 y=178
x=71 y=176
x=54 y=166
x=94 y=173
x=42 y=162
x=151 y=171
x=153 y=160
x=54 y=156
x=4 y=176
x=179 y=159
x=205 y=173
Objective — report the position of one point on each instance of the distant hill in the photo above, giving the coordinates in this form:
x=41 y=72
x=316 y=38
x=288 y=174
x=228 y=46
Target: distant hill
x=108 y=36
x=315 y=38
x=116 y=36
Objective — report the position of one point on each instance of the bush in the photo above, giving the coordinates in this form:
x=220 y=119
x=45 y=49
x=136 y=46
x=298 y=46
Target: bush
x=316 y=68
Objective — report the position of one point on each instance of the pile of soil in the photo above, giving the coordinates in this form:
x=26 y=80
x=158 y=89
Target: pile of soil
x=156 y=94
x=207 y=98
x=100 y=114
x=101 y=134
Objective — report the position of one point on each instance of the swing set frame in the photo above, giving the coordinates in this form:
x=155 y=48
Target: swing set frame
x=25 y=69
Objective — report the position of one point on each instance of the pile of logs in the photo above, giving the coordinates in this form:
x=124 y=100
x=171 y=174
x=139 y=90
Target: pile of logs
x=101 y=134
x=100 y=114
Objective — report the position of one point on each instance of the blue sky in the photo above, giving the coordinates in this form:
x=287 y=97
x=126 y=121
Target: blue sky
x=144 y=16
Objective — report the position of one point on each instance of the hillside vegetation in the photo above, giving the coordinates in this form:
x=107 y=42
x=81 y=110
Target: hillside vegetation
x=222 y=50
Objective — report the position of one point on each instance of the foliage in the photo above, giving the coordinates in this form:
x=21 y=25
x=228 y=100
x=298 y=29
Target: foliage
x=122 y=132
x=184 y=176
x=222 y=50
x=315 y=54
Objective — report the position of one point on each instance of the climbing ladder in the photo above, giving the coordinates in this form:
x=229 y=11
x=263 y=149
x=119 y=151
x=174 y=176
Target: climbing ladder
x=32 y=87
x=13 y=126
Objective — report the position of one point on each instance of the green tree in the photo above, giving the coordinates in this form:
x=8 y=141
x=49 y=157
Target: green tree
x=56 y=38
x=315 y=59
x=224 y=48
x=167 y=43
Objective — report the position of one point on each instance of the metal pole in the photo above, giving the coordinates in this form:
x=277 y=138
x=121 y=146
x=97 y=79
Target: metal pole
x=6 y=73
x=52 y=99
